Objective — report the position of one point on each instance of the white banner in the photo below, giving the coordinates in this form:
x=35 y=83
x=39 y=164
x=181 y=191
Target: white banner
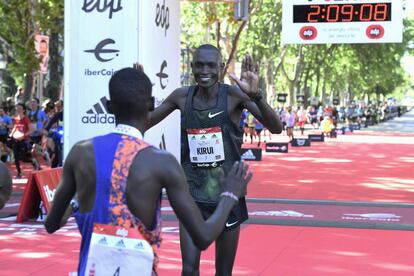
x=102 y=37
x=342 y=21
x=160 y=55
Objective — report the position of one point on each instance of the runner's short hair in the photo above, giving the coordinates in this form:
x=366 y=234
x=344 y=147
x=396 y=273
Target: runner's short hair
x=129 y=87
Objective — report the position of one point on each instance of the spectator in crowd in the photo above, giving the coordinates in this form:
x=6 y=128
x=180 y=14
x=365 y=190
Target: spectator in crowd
x=313 y=115
x=327 y=126
x=302 y=116
x=335 y=116
x=54 y=131
x=22 y=128
x=320 y=113
x=5 y=126
x=8 y=106
x=258 y=126
x=38 y=119
x=290 y=119
x=251 y=126
x=341 y=114
x=282 y=116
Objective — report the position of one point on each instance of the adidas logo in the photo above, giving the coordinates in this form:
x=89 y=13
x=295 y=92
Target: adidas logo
x=139 y=246
x=120 y=244
x=248 y=155
x=99 y=114
x=103 y=241
x=301 y=142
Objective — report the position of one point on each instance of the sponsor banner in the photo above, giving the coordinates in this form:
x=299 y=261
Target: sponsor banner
x=254 y=154
x=41 y=186
x=317 y=137
x=159 y=34
x=42 y=51
x=345 y=129
x=277 y=147
x=356 y=127
x=102 y=37
x=301 y=142
x=281 y=98
x=300 y=98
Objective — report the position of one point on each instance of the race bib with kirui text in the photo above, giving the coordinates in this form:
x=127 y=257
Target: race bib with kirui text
x=206 y=146
x=116 y=250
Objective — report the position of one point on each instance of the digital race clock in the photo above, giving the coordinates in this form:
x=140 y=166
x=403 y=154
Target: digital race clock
x=342 y=21
x=374 y=12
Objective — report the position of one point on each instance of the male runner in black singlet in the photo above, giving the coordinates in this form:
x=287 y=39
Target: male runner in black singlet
x=210 y=140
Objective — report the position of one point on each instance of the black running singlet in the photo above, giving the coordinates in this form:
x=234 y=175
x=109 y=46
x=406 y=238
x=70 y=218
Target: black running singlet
x=209 y=141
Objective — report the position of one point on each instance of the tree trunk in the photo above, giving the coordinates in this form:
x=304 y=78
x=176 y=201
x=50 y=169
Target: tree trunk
x=233 y=50
x=28 y=87
x=291 y=93
x=55 y=68
x=350 y=96
x=323 y=93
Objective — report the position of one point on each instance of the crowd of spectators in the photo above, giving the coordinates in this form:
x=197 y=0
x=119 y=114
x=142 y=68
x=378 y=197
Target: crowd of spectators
x=327 y=119
x=31 y=132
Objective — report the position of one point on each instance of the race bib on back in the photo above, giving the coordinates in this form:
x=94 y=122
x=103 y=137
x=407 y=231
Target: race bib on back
x=117 y=251
x=206 y=146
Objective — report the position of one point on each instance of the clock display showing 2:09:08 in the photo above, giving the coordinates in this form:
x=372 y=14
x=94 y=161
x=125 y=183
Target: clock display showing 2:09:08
x=372 y=12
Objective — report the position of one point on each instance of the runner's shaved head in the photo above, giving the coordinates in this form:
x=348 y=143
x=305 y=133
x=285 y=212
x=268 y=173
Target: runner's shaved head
x=208 y=47
x=129 y=91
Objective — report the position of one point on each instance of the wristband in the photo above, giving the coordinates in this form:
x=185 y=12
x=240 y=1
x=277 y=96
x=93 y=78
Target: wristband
x=257 y=97
x=230 y=195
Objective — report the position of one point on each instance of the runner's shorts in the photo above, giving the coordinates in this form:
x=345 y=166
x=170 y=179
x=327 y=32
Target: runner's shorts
x=237 y=216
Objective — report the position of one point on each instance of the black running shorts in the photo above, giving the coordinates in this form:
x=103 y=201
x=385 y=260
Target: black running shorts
x=237 y=216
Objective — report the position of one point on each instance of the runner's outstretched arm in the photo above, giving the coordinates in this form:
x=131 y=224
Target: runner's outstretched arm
x=154 y=169
x=61 y=210
x=166 y=107
x=176 y=100
x=163 y=110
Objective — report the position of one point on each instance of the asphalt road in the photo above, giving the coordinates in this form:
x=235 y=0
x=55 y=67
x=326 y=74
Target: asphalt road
x=405 y=124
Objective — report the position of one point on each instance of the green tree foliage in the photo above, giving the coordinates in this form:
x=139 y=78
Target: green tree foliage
x=17 y=37
x=51 y=22
x=348 y=71
x=20 y=21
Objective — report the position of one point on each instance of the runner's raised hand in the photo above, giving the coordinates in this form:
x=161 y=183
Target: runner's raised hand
x=249 y=80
